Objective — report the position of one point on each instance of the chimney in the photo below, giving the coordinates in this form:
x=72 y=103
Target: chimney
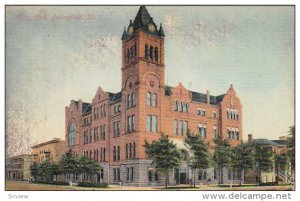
x=207 y=97
x=250 y=138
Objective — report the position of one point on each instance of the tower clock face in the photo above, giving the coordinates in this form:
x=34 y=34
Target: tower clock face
x=151 y=27
x=130 y=30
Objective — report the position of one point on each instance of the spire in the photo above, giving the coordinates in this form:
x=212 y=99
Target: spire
x=161 y=30
x=125 y=34
x=142 y=18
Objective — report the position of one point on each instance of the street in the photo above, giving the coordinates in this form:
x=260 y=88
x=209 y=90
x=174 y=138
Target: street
x=25 y=186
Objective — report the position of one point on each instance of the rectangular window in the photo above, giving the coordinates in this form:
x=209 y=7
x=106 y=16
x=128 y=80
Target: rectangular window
x=127 y=173
x=129 y=124
x=132 y=172
x=154 y=124
x=128 y=100
x=148 y=122
x=91 y=137
x=133 y=123
x=181 y=127
x=118 y=128
x=176 y=126
x=154 y=100
x=133 y=99
x=185 y=128
x=148 y=99
x=150 y=173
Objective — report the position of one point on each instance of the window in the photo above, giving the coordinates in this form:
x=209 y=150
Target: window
x=151 y=122
x=184 y=108
x=131 y=174
x=130 y=124
x=187 y=107
x=180 y=107
x=176 y=106
x=181 y=127
x=156 y=54
x=134 y=151
x=127 y=173
x=237 y=135
x=146 y=51
x=126 y=153
x=101 y=152
x=72 y=134
x=104 y=154
x=228 y=133
x=148 y=99
x=154 y=99
x=114 y=153
x=214 y=115
x=129 y=100
x=151 y=53
x=91 y=137
x=214 y=131
x=133 y=99
x=150 y=175
x=130 y=150
x=185 y=128
x=118 y=153
x=202 y=130
x=202 y=175
x=176 y=126
x=133 y=123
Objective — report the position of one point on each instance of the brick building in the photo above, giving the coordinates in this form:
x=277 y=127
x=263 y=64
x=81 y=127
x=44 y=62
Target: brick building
x=50 y=151
x=112 y=128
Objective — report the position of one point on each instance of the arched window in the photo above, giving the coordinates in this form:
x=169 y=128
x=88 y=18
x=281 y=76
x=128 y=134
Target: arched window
x=232 y=135
x=151 y=53
x=227 y=113
x=126 y=154
x=237 y=115
x=176 y=106
x=228 y=133
x=183 y=107
x=148 y=98
x=237 y=135
x=187 y=107
x=134 y=152
x=133 y=99
x=146 y=51
x=72 y=134
x=130 y=150
x=180 y=106
x=129 y=100
x=114 y=153
x=131 y=52
x=134 y=49
x=118 y=153
x=128 y=56
x=156 y=54
x=154 y=99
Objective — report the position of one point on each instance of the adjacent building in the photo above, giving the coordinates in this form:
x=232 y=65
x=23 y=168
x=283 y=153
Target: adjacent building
x=278 y=146
x=113 y=127
x=18 y=167
x=50 y=151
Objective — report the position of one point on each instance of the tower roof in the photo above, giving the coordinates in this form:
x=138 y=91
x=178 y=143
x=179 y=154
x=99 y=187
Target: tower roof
x=142 y=18
x=142 y=21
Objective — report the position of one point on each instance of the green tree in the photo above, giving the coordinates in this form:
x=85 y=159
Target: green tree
x=243 y=157
x=264 y=160
x=69 y=163
x=200 y=158
x=164 y=155
x=34 y=171
x=281 y=163
x=87 y=166
x=222 y=156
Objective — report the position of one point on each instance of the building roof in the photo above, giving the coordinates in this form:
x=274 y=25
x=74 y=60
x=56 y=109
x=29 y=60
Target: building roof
x=55 y=140
x=280 y=142
x=198 y=97
x=114 y=97
x=264 y=141
x=86 y=108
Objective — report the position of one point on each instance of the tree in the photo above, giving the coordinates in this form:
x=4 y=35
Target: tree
x=263 y=159
x=34 y=171
x=281 y=163
x=200 y=158
x=68 y=163
x=222 y=156
x=291 y=147
x=87 y=166
x=164 y=154
x=243 y=157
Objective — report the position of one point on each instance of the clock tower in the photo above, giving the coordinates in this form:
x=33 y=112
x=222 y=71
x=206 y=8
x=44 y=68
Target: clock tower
x=142 y=77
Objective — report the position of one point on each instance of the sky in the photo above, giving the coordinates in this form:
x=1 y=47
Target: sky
x=54 y=54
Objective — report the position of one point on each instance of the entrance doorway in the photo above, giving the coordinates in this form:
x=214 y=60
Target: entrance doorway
x=183 y=178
